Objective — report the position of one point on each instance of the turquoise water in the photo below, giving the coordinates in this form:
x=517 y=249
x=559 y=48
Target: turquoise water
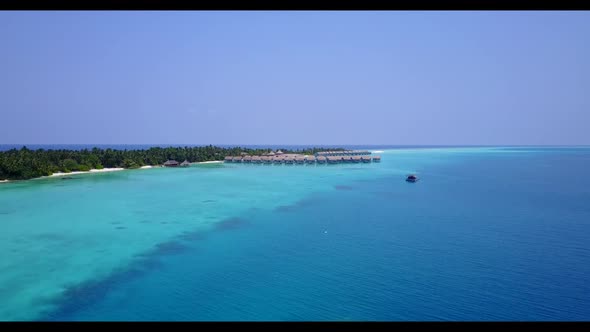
x=486 y=234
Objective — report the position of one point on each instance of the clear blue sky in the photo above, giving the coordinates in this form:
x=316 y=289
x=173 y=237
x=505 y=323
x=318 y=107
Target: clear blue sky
x=295 y=77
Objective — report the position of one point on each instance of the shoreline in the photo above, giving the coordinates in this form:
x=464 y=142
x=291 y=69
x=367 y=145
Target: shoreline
x=208 y=162
x=105 y=170
x=87 y=172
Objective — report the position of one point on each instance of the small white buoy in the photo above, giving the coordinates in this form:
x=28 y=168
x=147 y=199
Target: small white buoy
x=325 y=232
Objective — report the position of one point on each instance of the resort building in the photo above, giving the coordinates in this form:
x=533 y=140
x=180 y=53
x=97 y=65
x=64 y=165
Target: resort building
x=333 y=159
x=278 y=158
x=171 y=163
x=344 y=153
x=185 y=163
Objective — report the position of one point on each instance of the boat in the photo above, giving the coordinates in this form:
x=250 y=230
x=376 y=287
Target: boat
x=412 y=178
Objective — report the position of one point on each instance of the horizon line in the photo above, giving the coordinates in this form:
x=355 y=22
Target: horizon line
x=280 y=144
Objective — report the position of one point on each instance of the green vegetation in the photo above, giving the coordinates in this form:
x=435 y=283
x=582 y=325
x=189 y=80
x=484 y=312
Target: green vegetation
x=26 y=164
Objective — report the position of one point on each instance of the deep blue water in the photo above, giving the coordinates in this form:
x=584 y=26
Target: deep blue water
x=489 y=237
x=486 y=234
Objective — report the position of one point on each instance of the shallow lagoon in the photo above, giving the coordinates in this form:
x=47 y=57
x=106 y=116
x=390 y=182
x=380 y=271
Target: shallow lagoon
x=487 y=234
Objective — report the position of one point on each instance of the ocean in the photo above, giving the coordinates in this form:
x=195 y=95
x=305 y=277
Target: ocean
x=486 y=234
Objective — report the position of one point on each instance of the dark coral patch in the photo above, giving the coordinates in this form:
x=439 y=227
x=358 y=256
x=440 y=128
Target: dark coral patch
x=191 y=236
x=231 y=223
x=170 y=248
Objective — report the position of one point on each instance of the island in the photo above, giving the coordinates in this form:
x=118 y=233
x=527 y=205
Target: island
x=24 y=163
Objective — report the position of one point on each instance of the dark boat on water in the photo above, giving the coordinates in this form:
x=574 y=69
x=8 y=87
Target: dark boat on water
x=412 y=178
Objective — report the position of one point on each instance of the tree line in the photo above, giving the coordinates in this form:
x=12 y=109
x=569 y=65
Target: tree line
x=24 y=163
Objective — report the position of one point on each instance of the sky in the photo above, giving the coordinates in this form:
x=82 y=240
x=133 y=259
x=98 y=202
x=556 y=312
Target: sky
x=300 y=77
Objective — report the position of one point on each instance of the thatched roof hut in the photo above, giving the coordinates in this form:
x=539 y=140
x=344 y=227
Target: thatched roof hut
x=366 y=159
x=171 y=163
x=185 y=163
x=333 y=159
x=228 y=158
x=377 y=158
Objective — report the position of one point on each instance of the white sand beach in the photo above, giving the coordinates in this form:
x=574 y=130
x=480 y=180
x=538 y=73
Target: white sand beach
x=1 y=181
x=86 y=172
x=210 y=162
x=144 y=167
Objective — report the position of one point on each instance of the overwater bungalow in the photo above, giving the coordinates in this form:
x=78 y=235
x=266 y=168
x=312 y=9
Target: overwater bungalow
x=329 y=157
x=171 y=163
x=344 y=153
x=366 y=159
x=361 y=152
x=185 y=163
x=333 y=159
